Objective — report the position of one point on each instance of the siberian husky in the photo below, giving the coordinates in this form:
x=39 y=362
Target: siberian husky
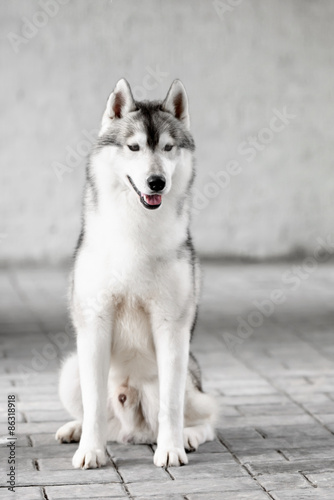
x=135 y=289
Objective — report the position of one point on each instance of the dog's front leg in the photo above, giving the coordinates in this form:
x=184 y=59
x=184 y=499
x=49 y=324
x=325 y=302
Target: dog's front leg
x=172 y=349
x=94 y=346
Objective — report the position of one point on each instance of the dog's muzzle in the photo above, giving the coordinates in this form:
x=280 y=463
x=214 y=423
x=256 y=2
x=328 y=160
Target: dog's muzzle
x=150 y=201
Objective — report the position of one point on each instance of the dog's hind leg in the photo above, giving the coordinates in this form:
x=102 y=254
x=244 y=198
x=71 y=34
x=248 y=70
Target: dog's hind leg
x=70 y=396
x=196 y=435
x=70 y=432
x=200 y=416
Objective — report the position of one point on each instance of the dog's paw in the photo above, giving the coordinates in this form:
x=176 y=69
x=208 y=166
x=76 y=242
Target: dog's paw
x=191 y=438
x=170 y=457
x=69 y=433
x=196 y=435
x=85 y=458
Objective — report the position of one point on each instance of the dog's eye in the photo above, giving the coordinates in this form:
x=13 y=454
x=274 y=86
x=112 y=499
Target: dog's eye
x=133 y=147
x=168 y=147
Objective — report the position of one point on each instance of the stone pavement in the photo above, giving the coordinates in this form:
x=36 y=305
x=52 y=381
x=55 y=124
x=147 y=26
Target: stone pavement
x=272 y=371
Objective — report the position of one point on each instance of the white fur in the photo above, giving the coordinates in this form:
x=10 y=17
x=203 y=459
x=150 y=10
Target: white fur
x=133 y=304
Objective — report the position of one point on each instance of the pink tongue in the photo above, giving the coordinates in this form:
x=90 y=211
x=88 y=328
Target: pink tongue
x=152 y=199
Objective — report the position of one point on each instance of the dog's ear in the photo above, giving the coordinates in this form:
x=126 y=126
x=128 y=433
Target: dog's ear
x=176 y=102
x=120 y=102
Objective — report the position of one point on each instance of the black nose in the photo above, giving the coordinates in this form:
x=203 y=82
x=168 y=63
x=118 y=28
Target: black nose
x=156 y=183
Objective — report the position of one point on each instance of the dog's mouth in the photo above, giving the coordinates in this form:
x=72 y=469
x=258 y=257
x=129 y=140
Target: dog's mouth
x=150 y=201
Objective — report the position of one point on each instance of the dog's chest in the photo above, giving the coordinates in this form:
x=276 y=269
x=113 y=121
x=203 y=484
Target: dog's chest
x=132 y=340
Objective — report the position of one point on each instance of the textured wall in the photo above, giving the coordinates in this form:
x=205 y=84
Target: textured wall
x=242 y=62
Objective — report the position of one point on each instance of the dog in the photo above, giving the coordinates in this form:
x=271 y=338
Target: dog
x=134 y=289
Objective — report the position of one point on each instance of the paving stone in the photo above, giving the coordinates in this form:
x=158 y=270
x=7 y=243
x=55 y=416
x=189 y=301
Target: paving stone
x=283 y=481
x=228 y=411
x=252 y=456
x=270 y=409
x=275 y=393
x=24 y=465
x=164 y=497
x=65 y=451
x=188 y=486
x=311 y=494
x=134 y=470
x=45 y=439
x=106 y=474
x=326 y=418
x=22 y=493
x=211 y=447
x=330 y=427
x=22 y=441
x=254 y=399
x=305 y=466
x=205 y=466
x=245 y=389
x=313 y=430
x=50 y=405
x=40 y=427
x=45 y=416
x=81 y=491
x=232 y=495
x=244 y=432
x=309 y=453
x=291 y=443
x=4 y=417
x=322 y=479
x=27 y=385
x=267 y=420
x=323 y=409
x=49 y=395
x=122 y=451
x=54 y=463
x=88 y=498
x=257 y=442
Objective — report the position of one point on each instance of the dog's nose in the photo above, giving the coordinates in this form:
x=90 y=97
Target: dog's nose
x=156 y=183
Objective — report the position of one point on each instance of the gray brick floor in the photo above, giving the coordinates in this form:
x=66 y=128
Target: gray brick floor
x=272 y=371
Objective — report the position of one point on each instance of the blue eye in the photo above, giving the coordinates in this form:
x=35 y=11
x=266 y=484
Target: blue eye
x=133 y=147
x=168 y=147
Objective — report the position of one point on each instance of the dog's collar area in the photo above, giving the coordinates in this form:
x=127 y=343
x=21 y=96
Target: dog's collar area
x=149 y=201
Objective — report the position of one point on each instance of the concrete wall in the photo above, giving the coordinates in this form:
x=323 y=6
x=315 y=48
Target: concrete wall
x=243 y=63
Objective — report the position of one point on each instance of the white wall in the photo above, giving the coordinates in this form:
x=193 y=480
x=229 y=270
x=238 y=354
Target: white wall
x=238 y=67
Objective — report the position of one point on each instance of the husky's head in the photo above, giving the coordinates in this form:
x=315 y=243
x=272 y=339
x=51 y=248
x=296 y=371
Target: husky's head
x=148 y=140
